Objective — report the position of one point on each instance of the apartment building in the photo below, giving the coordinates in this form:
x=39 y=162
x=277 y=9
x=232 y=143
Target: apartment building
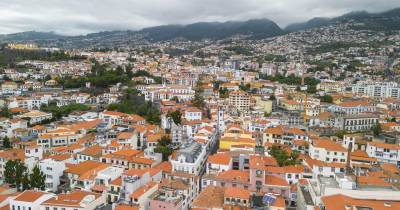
x=377 y=89
x=328 y=151
x=239 y=100
x=190 y=158
x=383 y=152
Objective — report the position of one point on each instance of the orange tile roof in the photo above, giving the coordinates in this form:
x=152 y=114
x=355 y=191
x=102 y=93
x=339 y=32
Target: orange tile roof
x=339 y=202
x=279 y=202
x=328 y=145
x=384 y=145
x=293 y=169
x=13 y=154
x=354 y=103
x=125 y=207
x=72 y=199
x=136 y=172
x=94 y=151
x=141 y=190
x=85 y=167
x=165 y=166
x=209 y=198
x=392 y=168
x=234 y=192
x=276 y=130
x=219 y=158
x=60 y=157
x=274 y=180
x=125 y=135
x=29 y=196
x=372 y=181
x=234 y=176
x=117 y=181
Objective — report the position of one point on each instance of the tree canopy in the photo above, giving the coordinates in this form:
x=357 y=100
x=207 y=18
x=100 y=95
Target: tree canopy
x=283 y=157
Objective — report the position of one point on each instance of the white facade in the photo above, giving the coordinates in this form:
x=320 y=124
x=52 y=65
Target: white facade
x=53 y=170
x=386 y=153
x=190 y=159
x=383 y=89
x=19 y=203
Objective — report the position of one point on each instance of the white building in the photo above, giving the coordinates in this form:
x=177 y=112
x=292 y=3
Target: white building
x=76 y=200
x=192 y=113
x=377 y=89
x=53 y=170
x=189 y=159
x=29 y=200
x=386 y=153
x=328 y=151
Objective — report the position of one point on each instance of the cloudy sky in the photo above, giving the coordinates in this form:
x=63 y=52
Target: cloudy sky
x=73 y=17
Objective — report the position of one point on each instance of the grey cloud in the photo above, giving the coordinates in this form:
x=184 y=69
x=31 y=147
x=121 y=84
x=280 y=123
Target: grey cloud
x=85 y=16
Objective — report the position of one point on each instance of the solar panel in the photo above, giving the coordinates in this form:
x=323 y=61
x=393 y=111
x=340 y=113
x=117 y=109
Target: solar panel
x=269 y=199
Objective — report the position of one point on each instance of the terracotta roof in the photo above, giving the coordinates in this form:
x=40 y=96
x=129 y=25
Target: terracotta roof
x=135 y=172
x=178 y=184
x=13 y=154
x=211 y=197
x=372 y=181
x=339 y=202
x=60 y=157
x=328 y=145
x=117 y=181
x=354 y=103
x=88 y=166
x=125 y=207
x=94 y=151
x=29 y=196
x=234 y=176
x=165 y=166
x=234 y=192
x=143 y=189
x=219 y=158
x=384 y=145
x=73 y=199
x=293 y=169
x=274 y=180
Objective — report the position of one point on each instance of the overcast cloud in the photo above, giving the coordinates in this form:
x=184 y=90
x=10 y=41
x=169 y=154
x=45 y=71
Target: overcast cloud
x=75 y=17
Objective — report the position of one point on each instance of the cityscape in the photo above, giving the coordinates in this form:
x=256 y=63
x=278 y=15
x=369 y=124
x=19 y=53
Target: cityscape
x=221 y=107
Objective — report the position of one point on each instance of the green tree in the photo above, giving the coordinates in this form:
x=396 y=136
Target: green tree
x=245 y=87
x=9 y=172
x=326 y=99
x=6 y=142
x=198 y=100
x=282 y=156
x=272 y=97
x=223 y=93
x=20 y=170
x=176 y=116
x=377 y=129
x=5 y=112
x=26 y=182
x=37 y=178
x=164 y=148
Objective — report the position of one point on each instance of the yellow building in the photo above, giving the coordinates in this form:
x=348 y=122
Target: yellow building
x=264 y=105
x=236 y=136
